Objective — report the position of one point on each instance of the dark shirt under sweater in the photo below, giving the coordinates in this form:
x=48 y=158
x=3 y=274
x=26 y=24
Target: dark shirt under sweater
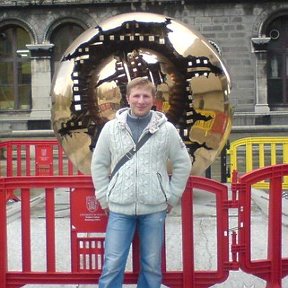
x=138 y=124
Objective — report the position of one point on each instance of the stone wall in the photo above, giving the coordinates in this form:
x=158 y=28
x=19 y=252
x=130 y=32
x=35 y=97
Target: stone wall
x=230 y=25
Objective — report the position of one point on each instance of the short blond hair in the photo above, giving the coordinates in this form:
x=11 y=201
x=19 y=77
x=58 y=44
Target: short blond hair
x=142 y=82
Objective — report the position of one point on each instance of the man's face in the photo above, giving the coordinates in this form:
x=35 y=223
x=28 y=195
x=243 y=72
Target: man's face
x=140 y=100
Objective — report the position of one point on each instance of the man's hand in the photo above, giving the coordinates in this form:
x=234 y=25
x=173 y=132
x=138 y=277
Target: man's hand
x=169 y=208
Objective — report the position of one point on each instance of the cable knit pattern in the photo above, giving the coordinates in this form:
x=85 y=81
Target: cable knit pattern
x=141 y=185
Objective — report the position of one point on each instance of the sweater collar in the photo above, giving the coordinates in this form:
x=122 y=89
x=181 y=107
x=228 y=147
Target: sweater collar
x=132 y=116
x=157 y=119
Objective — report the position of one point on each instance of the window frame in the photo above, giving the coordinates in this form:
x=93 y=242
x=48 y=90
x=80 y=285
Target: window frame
x=17 y=62
x=277 y=47
x=56 y=58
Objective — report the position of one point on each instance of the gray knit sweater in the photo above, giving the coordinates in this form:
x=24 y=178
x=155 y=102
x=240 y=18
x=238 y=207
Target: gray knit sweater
x=142 y=185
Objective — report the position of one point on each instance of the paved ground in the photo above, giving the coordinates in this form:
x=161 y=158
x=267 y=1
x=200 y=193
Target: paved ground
x=204 y=230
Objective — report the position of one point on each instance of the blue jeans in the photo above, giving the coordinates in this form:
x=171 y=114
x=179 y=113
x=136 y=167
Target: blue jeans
x=119 y=235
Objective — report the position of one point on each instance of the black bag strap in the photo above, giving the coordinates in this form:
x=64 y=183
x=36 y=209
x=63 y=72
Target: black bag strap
x=130 y=153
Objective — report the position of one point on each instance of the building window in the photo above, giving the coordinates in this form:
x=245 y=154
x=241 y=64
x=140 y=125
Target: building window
x=277 y=63
x=62 y=37
x=15 y=69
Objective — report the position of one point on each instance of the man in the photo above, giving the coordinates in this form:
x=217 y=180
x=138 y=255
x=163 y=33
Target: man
x=140 y=193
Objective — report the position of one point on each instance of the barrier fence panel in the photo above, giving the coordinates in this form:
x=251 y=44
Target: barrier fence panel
x=34 y=157
x=83 y=245
x=28 y=273
x=86 y=248
x=221 y=273
x=247 y=154
x=274 y=267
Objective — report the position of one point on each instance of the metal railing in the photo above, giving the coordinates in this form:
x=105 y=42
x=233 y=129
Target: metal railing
x=251 y=153
x=233 y=251
x=34 y=157
x=85 y=219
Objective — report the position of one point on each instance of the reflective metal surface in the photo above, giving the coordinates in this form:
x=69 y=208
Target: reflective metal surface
x=193 y=85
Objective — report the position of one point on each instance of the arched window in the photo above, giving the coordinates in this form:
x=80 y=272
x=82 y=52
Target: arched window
x=62 y=37
x=277 y=63
x=15 y=69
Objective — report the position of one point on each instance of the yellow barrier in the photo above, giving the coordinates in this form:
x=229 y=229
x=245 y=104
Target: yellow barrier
x=251 y=153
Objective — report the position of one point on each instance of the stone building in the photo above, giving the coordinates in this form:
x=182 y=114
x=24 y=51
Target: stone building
x=250 y=35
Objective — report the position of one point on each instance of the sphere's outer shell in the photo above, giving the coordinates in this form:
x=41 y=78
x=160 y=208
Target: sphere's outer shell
x=194 y=93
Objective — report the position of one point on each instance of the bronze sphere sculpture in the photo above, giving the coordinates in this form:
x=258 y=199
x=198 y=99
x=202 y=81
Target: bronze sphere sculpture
x=193 y=85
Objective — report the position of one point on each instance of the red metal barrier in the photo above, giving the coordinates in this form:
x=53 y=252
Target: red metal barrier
x=31 y=158
x=86 y=217
x=275 y=267
x=205 y=278
x=37 y=157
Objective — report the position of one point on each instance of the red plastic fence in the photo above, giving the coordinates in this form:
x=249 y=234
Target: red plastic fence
x=33 y=158
x=275 y=267
x=81 y=188
x=86 y=217
x=37 y=157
